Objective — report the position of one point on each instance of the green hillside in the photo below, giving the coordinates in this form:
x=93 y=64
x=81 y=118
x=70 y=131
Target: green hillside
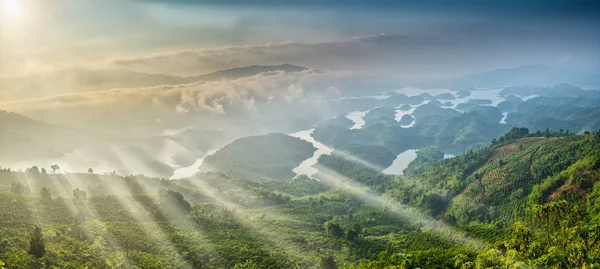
x=265 y=157
x=524 y=200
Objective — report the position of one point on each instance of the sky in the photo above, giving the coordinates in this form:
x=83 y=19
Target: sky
x=57 y=57
x=413 y=40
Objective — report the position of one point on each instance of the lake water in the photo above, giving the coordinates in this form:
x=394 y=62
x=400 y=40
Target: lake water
x=401 y=162
x=191 y=170
x=525 y=98
x=358 y=117
x=306 y=167
x=503 y=120
x=399 y=114
x=412 y=91
x=489 y=94
x=378 y=97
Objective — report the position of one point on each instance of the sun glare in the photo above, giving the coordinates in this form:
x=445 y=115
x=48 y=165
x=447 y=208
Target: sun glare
x=11 y=8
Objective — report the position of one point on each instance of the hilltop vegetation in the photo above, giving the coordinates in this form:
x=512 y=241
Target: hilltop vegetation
x=271 y=156
x=507 y=204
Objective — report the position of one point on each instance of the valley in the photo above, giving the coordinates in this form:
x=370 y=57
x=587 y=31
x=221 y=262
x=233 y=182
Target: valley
x=440 y=178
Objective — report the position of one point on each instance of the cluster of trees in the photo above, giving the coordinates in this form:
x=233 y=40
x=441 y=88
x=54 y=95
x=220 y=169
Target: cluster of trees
x=336 y=230
x=514 y=134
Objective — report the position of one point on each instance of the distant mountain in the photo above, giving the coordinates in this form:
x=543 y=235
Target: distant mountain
x=25 y=142
x=11 y=120
x=559 y=90
x=78 y=80
x=246 y=71
x=22 y=137
x=534 y=75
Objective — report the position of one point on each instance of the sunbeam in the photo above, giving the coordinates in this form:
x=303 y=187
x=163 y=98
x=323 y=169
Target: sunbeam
x=140 y=214
x=369 y=196
x=271 y=237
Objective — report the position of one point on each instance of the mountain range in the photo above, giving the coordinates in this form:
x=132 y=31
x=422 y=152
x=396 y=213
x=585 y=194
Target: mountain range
x=79 y=80
x=534 y=75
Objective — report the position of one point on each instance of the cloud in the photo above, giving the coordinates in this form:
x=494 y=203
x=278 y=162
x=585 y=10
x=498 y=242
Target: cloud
x=239 y=97
x=329 y=55
x=426 y=55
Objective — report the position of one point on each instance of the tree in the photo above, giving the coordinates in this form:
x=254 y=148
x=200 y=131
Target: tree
x=351 y=235
x=54 y=168
x=90 y=170
x=80 y=194
x=328 y=263
x=357 y=228
x=334 y=229
x=516 y=133
x=404 y=261
x=436 y=203
x=4 y=244
x=246 y=265
x=33 y=171
x=18 y=188
x=37 y=247
x=172 y=205
x=45 y=192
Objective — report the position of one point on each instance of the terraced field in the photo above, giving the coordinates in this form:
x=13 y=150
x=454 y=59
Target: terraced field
x=510 y=149
x=507 y=176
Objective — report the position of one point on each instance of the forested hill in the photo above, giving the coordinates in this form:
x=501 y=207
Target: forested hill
x=524 y=201
x=22 y=137
x=534 y=199
x=261 y=157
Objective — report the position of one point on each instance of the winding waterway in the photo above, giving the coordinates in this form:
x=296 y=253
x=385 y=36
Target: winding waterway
x=306 y=167
x=188 y=171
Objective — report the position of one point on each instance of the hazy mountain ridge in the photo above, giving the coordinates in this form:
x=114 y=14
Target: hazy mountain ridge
x=79 y=80
x=536 y=75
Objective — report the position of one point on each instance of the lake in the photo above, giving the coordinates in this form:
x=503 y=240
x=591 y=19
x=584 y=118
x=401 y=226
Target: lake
x=358 y=117
x=401 y=162
x=188 y=171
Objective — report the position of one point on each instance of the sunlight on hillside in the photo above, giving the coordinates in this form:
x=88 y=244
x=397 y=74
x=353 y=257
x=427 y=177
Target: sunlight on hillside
x=369 y=196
